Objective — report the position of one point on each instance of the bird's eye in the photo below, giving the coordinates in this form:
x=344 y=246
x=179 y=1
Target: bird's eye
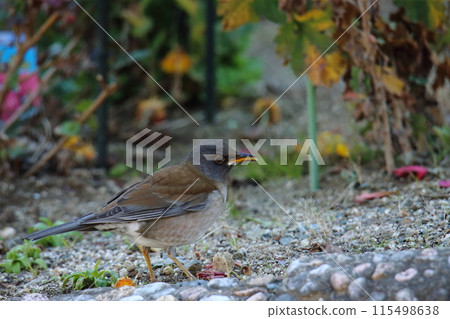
x=219 y=159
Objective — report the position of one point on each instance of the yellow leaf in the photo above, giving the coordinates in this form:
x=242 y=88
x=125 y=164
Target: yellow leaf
x=325 y=70
x=176 y=62
x=436 y=16
x=235 y=13
x=342 y=150
x=390 y=81
x=80 y=148
x=314 y=14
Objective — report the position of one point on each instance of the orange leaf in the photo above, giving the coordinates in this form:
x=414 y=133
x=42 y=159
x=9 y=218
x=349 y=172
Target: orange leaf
x=124 y=281
x=176 y=62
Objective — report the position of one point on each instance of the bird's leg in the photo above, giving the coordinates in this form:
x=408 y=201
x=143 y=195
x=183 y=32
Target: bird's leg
x=145 y=251
x=179 y=264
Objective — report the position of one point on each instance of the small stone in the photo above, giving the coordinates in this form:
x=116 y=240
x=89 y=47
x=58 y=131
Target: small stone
x=216 y=298
x=167 y=298
x=167 y=270
x=116 y=294
x=321 y=270
x=363 y=270
x=382 y=270
x=342 y=259
x=293 y=267
x=285 y=297
x=429 y=252
x=339 y=281
x=378 y=295
x=7 y=233
x=429 y=272
x=223 y=283
x=193 y=293
x=259 y=296
x=405 y=295
x=260 y=281
x=297 y=281
x=149 y=290
x=406 y=275
x=305 y=243
x=356 y=288
x=285 y=241
x=132 y=298
x=35 y=297
x=248 y=292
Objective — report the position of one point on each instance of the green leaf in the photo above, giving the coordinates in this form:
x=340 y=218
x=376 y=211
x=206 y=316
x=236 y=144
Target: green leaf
x=41 y=263
x=69 y=128
x=430 y=12
x=286 y=39
x=16 y=268
x=25 y=262
x=101 y=282
x=269 y=10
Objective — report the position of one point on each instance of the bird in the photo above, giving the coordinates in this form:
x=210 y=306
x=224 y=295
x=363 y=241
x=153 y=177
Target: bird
x=174 y=206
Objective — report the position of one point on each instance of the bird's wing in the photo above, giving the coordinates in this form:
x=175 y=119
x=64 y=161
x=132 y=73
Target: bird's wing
x=166 y=193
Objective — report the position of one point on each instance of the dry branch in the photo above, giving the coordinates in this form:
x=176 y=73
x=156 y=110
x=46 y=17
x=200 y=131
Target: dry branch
x=106 y=91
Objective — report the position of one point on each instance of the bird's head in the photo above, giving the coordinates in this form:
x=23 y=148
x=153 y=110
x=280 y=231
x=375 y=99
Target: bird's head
x=215 y=160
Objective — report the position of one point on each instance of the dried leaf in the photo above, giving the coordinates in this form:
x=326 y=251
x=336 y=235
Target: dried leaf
x=235 y=13
x=368 y=196
x=444 y=184
x=392 y=83
x=419 y=171
x=123 y=281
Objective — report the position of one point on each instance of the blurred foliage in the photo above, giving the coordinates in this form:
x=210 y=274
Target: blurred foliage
x=55 y=240
x=23 y=257
x=91 y=278
x=166 y=38
x=392 y=65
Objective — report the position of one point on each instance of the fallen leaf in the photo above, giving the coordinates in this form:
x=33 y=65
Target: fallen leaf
x=235 y=13
x=419 y=171
x=368 y=196
x=342 y=150
x=444 y=184
x=123 y=281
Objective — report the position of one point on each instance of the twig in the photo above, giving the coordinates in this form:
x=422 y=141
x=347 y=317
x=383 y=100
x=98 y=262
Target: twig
x=21 y=50
x=108 y=90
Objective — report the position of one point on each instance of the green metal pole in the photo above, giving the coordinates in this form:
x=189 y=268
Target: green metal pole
x=312 y=133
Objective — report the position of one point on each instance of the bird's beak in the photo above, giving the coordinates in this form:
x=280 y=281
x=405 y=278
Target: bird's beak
x=241 y=157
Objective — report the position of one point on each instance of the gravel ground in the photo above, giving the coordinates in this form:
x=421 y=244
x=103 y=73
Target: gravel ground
x=263 y=234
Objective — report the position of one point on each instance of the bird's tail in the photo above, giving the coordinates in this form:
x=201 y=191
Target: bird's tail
x=64 y=228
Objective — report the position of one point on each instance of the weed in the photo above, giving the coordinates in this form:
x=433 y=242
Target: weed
x=54 y=240
x=26 y=256
x=91 y=278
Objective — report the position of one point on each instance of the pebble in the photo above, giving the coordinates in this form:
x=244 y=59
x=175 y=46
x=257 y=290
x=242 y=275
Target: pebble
x=223 y=283
x=216 y=298
x=339 y=281
x=167 y=298
x=382 y=270
x=35 y=297
x=133 y=298
x=429 y=272
x=149 y=290
x=261 y=280
x=7 y=233
x=193 y=293
x=321 y=270
x=356 y=289
x=248 y=292
x=285 y=297
x=406 y=275
x=116 y=294
x=405 y=294
x=294 y=266
x=363 y=270
x=259 y=296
